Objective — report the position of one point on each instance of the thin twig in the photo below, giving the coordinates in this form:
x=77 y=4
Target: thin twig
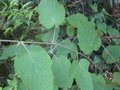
x=25 y=42
x=2 y=77
x=72 y=4
x=111 y=37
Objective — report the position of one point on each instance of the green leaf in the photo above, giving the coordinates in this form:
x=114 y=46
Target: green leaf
x=12 y=84
x=34 y=66
x=51 y=13
x=87 y=36
x=112 y=54
x=64 y=51
x=83 y=77
x=61 y=72
x=55 y=87
x=10 y=51
x=94 y=7
x=114 y=32
x=0 y=88
x=70 y=31
x=76 y=19
x=99 y=82
x=74 y=68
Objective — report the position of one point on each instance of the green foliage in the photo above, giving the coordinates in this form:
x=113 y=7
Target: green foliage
x=114 y=32
x=78 y=45
x=112 y=55
x=94 y=7
x=8 y=51
x=88 y=38
x=12 y=85
x=33 y=66
x=51 y=13
x=61 y=72
x=82 y=76
x=70 y=31
x=98 y=82
x=12 y=18
x=64 y=51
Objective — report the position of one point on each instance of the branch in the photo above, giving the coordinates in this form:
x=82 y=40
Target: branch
x=110 y=37
x=28 y=42
x=72 y=4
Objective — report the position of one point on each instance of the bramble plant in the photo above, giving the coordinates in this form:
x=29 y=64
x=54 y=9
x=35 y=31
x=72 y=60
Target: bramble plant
x=59 y=45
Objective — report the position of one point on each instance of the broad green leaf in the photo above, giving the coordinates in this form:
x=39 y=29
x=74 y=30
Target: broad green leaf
x=83 y=77
x=112 y=54
x=34 y=66
x=87 y=36
x=0 y=88
x=74 y=68
x=114 y=32
x=64 y=51
x=51 y=13
x=8 y=51
x=70 y=31
x=61 y=72
x=99 y=82
x=76 y=20
x=88 y=39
